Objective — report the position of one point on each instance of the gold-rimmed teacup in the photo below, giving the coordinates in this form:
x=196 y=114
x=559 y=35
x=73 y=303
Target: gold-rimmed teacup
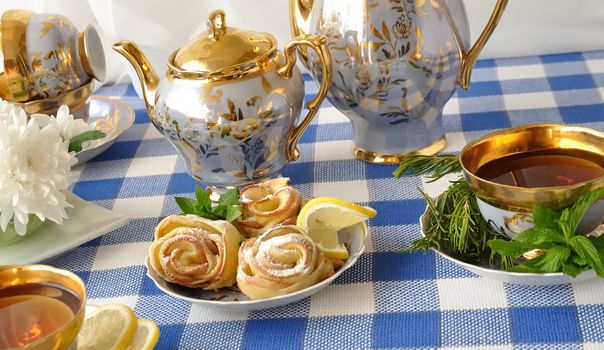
x=509 y=208
x=78 y=101
x=44 y=55
x=12 y=277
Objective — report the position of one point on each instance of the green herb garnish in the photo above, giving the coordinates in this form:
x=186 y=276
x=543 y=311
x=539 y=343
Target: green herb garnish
x=75 y=144
x=453 y=217
x=454 y=225
x=455 y=221
x=433 y=167
x=228 y=208
x=554 y=235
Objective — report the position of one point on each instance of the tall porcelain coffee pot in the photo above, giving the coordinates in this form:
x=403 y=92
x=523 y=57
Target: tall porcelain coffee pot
x=395 y=65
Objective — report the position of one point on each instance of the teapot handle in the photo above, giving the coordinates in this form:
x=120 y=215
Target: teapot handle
x=468 y=58
x=319 y=44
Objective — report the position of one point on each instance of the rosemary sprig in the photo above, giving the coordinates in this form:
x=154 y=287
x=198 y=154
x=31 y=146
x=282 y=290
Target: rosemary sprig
x=454 y=225
x=433 y=167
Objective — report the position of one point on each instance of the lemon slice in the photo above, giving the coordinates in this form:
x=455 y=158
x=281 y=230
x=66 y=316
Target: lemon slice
x=327 y=240
x=111 y=326
x=323 y=217
x=146 y=336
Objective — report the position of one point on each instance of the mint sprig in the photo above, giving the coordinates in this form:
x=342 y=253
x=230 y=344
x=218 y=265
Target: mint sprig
x=554 y=234
x=228 y=208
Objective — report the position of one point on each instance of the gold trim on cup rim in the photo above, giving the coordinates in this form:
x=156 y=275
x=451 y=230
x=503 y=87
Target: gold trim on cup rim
x=383 y=158
x=15 y=275
x=75 y=99
x=522 y=139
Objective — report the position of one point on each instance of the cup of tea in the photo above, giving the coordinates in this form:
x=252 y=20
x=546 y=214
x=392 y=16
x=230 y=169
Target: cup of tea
x=549 y=164
x=41 y=307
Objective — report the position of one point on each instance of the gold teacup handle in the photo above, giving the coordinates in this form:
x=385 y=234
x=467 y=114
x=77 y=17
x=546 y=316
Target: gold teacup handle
x=319 y=44
x=468 y=59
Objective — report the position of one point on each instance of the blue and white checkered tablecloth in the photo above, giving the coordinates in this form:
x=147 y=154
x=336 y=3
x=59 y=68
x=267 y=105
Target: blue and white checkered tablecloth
x=387 y=300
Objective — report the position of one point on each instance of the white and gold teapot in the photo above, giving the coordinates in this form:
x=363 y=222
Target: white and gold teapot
x=230 y=101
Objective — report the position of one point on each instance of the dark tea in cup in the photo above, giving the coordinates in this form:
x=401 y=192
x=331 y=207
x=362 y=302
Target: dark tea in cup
x=544 y=168
x=33 y=311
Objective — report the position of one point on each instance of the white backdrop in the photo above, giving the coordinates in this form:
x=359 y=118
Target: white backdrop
x=528 y=27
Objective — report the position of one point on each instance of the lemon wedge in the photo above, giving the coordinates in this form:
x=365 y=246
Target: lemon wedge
x=111 y=326
x=145 y=337
x=323 y=217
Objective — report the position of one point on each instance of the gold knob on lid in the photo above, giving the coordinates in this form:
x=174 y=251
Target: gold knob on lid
x=222 y=53
x=216 y=24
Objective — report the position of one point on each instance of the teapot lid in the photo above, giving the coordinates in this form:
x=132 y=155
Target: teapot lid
x=223 y=52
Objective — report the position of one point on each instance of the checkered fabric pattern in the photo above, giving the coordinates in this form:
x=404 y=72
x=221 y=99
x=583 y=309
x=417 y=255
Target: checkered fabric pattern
x=387 y=300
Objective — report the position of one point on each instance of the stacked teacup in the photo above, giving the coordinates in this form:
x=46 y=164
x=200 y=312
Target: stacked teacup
x=45 y=62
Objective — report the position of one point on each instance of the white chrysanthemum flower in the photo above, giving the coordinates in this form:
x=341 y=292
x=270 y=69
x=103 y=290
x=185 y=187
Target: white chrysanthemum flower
x=64 y=122
x=35 y=167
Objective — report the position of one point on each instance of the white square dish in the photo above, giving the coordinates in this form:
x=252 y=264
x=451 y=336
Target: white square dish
x=86 y=222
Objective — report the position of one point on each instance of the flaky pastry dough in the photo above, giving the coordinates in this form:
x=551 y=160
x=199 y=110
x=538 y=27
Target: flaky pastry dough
x=282 y=260
x=268 y=204
x=195 y=252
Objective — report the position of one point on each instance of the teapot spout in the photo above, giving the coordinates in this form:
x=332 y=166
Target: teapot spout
x=146 y=74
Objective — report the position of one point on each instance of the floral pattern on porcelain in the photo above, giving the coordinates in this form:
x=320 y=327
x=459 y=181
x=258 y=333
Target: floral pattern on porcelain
x=231 y=134
x=395 y=66
x=52 y=47
x=509 y=223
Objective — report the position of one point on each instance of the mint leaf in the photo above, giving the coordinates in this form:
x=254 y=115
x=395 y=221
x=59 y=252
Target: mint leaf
x=220 y=210
x=187 y=205
x=75 y=144
x=586 y=250
x=204 y=203
x=209 y=216
x=570 y=217
x=579 y=261
x=228 y=208
x=572 y=269
x=524 y=269
x=230 y=197
x=233 y=212
x=598 y=242
x=544 y=217
x=538 y=235
x=510 y=248
x=553 y=259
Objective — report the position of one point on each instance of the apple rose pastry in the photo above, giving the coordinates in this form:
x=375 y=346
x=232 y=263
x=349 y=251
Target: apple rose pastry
x=195 y=252
x=268 y=204
x=280 y=261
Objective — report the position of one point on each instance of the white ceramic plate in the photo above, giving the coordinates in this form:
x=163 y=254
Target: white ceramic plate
x=233 y=300
x=86 y=221
x=113 y=117
x=522 y=278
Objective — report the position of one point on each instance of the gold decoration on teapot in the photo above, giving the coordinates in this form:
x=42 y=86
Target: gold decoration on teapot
x=230 y=101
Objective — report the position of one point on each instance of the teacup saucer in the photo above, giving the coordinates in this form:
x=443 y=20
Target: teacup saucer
x=521 y=278
x=113 y=117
